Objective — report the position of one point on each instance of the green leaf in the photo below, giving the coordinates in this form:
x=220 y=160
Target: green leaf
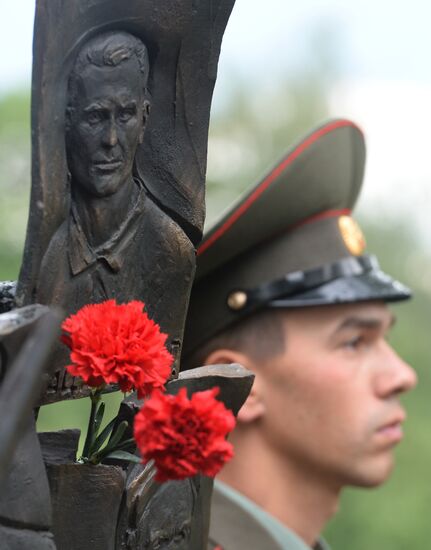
x=94 y=398
x=127 y=443
x=100 y=440
x=98 y=420
x=123 y=455
x=114 y=442
x=117 y=435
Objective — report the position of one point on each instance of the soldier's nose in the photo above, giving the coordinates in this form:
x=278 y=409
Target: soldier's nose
x=396 y=375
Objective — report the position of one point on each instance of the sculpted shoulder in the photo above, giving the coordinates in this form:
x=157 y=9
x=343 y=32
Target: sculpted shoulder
x=167 y=231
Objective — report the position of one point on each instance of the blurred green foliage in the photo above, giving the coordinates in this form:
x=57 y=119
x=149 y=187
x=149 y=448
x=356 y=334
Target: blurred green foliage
x=14 y=179
x=249 y=133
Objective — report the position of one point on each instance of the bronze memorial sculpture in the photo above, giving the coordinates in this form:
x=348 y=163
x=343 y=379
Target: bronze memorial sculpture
x=97 y=252
x=121 y=95
x=121 y=100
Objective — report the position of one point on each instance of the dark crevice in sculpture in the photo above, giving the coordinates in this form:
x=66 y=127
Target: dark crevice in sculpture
x=15 y=524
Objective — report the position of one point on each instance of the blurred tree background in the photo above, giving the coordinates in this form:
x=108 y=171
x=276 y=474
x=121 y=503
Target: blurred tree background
x=249 y=131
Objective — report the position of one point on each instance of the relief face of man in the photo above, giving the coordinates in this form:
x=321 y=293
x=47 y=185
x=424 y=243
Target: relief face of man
x=106 y=114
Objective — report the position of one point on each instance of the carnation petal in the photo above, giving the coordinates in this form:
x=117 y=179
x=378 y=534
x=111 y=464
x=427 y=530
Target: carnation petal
x=184 y=436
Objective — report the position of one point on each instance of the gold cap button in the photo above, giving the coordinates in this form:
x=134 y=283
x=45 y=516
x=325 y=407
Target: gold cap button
x=237 y=300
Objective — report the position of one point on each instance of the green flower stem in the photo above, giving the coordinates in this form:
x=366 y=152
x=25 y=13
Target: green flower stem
x=95 y=398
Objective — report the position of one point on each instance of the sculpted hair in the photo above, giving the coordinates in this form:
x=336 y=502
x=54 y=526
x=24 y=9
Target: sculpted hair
x=261 y=336
x=109 y=50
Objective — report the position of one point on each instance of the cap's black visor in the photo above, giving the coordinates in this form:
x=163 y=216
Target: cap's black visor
x=345 y=281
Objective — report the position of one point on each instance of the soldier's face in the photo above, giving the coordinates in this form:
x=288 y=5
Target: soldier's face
x=105 y=127
x=331 y=399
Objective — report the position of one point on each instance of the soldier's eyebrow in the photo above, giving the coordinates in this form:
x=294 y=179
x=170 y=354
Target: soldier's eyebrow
x=367 y=322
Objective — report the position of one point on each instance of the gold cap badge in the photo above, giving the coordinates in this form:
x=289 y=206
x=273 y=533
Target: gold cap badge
x=352 y=235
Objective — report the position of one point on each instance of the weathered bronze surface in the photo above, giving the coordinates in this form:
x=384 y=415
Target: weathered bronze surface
x=86 y=500
x=26 y=336
x=121 y=100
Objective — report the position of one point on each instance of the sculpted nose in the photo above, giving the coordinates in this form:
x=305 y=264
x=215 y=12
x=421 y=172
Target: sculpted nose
x=110 y=137
x=396 y=376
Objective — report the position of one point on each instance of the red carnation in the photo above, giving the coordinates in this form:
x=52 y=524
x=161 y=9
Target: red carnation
x=184 y=436
x=117 y=344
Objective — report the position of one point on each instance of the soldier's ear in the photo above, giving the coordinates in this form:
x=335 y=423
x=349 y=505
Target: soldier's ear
x=226 y=356
x=253 y=407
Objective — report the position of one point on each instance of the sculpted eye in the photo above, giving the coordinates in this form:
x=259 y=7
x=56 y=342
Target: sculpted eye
x=159 y=542
x=126 y=114
x=179 y=537
x=93 y=117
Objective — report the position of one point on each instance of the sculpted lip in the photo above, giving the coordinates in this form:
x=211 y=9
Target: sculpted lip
x=107 y=166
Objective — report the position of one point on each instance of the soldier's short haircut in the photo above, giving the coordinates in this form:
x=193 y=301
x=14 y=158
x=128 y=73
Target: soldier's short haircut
x=109 y=50
x=261 y=336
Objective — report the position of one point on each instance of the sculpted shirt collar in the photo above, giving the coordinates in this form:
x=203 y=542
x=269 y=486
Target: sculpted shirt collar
x=82 y=255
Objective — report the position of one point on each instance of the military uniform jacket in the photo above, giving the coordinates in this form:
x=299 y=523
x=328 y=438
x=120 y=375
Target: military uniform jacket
x=239 y=524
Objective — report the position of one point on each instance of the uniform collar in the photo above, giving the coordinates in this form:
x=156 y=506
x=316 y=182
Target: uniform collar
x=235 y=517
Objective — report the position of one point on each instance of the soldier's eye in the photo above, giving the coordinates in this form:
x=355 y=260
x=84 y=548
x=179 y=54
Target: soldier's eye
x=355 y=343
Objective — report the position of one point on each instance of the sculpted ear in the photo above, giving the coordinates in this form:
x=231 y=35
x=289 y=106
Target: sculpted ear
x=146 y=106
x=68 y=121
x=254 y=406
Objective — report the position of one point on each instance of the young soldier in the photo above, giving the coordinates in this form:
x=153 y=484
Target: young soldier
x=284 y=288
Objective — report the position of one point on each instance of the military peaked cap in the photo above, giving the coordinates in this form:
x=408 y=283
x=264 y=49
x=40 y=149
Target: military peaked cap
x=290 y=241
